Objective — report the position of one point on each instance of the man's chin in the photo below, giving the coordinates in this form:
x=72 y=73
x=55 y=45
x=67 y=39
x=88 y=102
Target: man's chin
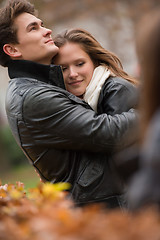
x=55 y=51
x=54 y=55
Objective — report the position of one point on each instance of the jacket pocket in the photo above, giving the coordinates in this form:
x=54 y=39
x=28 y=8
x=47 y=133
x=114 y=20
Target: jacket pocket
x=91 y=174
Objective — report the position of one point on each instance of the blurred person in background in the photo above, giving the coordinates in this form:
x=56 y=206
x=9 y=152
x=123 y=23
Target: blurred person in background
x=95 y=75
x=144 y=187
x=55 y=129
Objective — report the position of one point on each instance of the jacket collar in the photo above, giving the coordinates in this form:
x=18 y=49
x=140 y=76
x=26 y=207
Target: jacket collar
x=50 y=74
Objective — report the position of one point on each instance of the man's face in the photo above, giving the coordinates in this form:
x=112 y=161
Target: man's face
x=35 y=41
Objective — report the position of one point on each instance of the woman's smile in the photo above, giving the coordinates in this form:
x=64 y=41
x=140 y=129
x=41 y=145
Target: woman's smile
x=77 y=67
x=75 y=83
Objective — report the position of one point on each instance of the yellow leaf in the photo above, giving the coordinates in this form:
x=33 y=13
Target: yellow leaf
x=15 y=194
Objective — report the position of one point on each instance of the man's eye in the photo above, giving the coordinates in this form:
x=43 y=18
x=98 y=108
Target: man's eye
x=33 y=28
x=42 y=24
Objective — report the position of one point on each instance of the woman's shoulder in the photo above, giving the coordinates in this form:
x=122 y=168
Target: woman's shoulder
x=116 y=80
x=116 y=83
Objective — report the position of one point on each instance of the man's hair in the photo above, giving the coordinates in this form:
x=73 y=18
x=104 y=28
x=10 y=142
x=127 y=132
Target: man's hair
x=8 y=32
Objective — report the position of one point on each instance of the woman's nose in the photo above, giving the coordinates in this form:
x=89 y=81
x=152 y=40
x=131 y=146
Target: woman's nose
x=72 y=73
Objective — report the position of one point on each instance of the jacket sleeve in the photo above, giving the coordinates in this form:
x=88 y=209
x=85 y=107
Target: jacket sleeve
x=117 y=95
x=54 y=120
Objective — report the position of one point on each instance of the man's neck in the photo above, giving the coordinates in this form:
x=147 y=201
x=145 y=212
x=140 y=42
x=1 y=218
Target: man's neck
x=51 y=74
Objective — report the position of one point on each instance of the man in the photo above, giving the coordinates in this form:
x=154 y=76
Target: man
x=57 y=131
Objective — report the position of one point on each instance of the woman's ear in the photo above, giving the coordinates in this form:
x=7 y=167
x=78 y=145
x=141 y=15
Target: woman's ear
x=11 y=50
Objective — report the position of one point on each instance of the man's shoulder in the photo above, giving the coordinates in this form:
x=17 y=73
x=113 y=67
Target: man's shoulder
x=30 y=86
x=31 y=91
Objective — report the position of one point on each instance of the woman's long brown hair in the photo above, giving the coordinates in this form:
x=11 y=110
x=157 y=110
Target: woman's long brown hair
x=92 y=47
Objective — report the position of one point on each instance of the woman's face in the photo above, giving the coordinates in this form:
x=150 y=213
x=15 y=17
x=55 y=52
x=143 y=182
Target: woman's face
x=77 y=67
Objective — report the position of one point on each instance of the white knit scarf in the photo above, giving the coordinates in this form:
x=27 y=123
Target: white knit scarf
x=91 y=95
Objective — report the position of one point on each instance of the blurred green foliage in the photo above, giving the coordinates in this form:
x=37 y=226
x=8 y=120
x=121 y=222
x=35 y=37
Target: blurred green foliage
x=12 y=154
x=14 y=164
x=24 y=173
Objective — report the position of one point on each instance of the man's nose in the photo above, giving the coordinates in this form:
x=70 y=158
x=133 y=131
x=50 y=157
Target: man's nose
x=47 y=31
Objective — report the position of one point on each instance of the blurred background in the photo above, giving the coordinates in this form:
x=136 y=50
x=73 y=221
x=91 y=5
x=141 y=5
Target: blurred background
x=111 y=22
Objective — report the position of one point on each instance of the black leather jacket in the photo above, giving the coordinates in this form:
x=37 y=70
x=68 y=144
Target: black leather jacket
x=61 y=135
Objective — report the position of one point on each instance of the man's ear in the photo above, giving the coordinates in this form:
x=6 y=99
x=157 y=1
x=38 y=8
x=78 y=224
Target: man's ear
x=12 y=51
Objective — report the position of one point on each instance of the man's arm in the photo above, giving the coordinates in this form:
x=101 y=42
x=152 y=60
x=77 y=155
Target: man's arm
x=55 y=120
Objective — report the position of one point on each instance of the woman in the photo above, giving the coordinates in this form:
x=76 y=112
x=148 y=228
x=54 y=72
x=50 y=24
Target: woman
x=90 y=71
x=144 y=188
x=96 y=76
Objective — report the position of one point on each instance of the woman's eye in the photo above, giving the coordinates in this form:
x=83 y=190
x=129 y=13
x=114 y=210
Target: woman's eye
x=64 y=68
x=80 y=64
